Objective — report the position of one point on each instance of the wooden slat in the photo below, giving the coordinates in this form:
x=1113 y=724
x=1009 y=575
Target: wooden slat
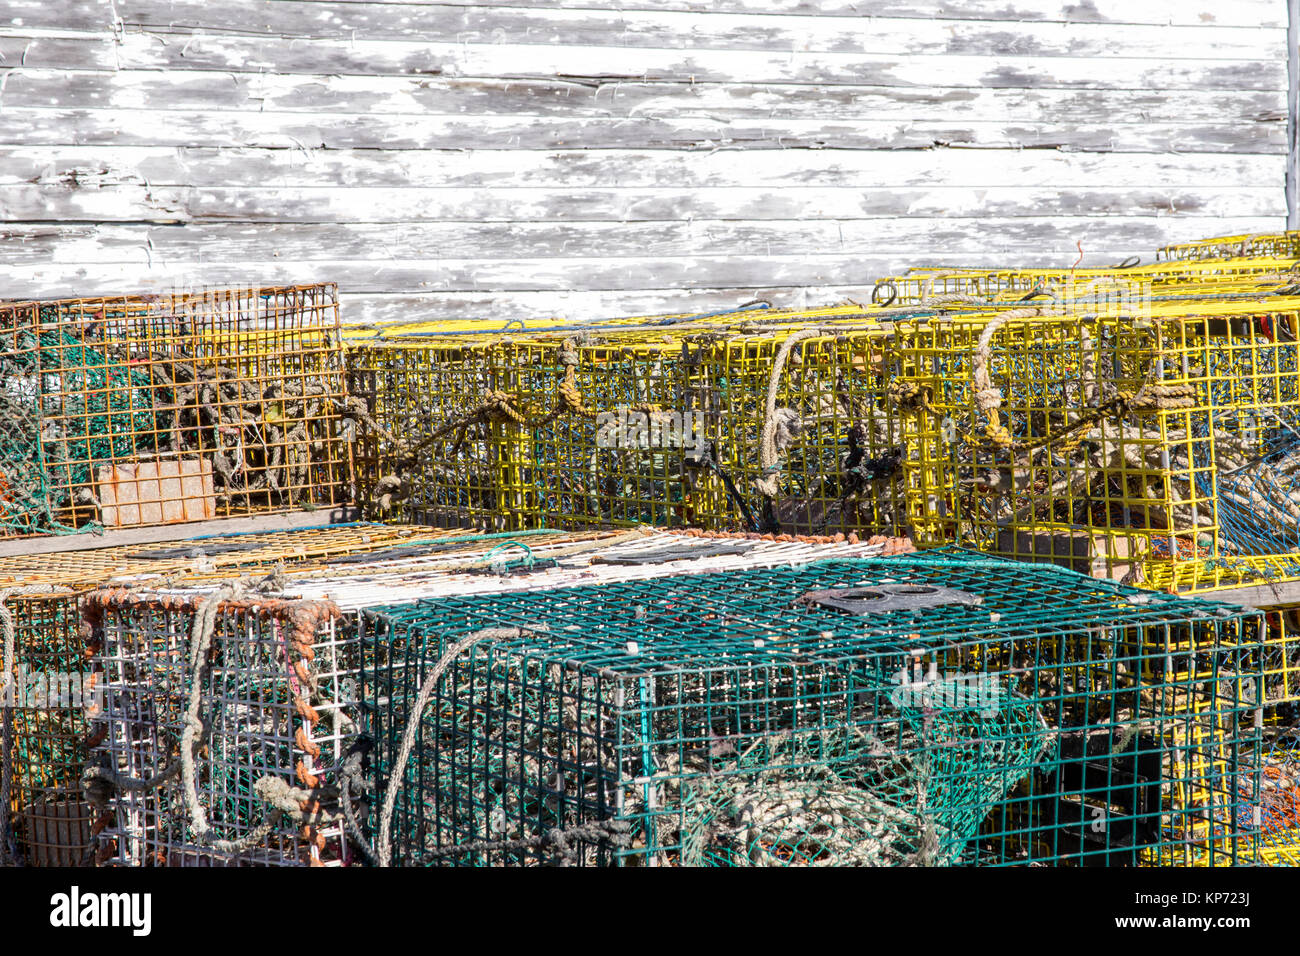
x=333 y=131
x=90 y=14
x=569 y=100
x=489 y=25
x=96 y=167
x=137 y=246
x=881 y=67
x=337 y=204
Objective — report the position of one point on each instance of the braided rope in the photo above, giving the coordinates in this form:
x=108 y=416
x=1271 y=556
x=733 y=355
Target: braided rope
x=8 y=842
x=768 y=452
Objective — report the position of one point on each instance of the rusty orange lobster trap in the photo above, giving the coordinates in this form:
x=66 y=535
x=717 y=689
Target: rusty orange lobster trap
x=146 y=410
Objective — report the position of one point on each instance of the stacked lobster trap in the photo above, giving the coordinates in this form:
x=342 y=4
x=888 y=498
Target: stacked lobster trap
x=271 y=671
x=898 y=712
x=1155 y=449
x=782 y=428
x=150 y=410
x=53 y=697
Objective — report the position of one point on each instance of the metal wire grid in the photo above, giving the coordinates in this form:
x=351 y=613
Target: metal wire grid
x=1194 y=494
x=1282 y=245
x=153 y=409
x=632 y=700
x=444 y=478
x=272 y=711
x=49 y=815
x=624 y=428
x=25 y=495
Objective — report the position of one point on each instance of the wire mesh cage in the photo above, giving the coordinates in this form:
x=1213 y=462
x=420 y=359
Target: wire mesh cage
x=1279 y=245
x=1278 y=815
x=781 y=430
x=951 y=287
x=140 y=410
x=901 y=711
x=260 y=721
x=1150 y=449
x=269 y=682
x=47 y=730
x=45 y=710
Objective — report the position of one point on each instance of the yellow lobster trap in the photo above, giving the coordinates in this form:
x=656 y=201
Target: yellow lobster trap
x=1104 y=288
x=146 y=410
x=1277 y=245
x=1155 y=450
x=779 y=426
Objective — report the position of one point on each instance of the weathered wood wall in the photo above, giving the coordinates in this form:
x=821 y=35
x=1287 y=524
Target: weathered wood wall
x=524 y=157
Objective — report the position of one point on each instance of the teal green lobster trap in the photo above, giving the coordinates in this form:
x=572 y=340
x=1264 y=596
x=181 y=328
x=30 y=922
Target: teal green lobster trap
x=931 y=711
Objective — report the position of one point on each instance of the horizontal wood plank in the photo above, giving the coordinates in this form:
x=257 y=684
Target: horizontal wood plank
x=622 y=99
x=354 y=131
x=26 y=203
x=96 y=167
x=142 y=246
x=630 y=28
x=251 y=54
x=93 y=14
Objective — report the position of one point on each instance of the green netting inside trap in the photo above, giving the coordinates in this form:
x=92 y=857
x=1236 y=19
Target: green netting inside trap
x=25 y=504
x=849 y=799
x=878 y=711
x=103 y=405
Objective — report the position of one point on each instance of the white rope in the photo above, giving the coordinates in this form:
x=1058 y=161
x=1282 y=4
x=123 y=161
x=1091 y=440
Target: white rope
x=413 y=726
x=769 y=484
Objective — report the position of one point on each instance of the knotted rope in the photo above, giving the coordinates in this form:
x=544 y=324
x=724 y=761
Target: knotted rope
x=780 y=428
x=1148 y=398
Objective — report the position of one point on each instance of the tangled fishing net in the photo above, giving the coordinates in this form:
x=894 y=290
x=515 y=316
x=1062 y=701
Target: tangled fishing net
x=848 y=798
